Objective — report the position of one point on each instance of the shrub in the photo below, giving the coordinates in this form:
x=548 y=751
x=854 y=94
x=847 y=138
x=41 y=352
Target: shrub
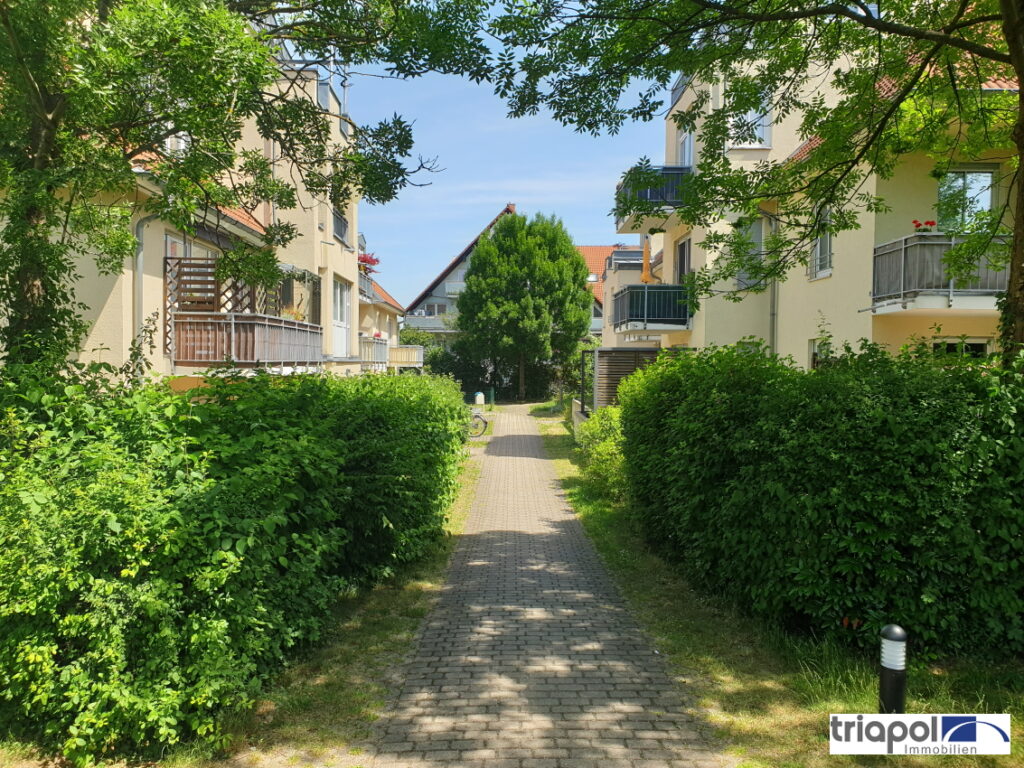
x=599 y=439
x=876 y=489
x=161 y=554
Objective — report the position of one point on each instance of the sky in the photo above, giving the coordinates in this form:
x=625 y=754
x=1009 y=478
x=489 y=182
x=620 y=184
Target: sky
x=488 y=160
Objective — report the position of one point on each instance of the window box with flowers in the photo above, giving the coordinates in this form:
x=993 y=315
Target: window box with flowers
x=923 y=226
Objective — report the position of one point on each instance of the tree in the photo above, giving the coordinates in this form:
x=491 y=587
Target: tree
x=91 y=92
x=935 y=77
x=417 y=336
x=526 y=304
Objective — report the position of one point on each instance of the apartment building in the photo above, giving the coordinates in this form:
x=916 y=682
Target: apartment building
x=310 y=321
x=380 y=316
x=884 y=282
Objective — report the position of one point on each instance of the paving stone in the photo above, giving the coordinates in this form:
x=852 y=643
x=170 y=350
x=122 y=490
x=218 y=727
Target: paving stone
x=530 y=658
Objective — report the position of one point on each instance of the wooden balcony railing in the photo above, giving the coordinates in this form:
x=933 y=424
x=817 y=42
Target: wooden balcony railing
x=913 y=265
x=405 y=356
x=206 y=338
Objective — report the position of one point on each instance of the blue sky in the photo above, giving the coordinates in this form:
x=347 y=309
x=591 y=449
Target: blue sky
x=488 y=160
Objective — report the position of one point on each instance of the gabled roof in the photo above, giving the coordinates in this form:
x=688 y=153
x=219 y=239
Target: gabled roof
x=386 y=297
x=596 y=256
x=510 y=208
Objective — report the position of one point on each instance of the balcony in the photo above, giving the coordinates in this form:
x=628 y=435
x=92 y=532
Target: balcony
x=424 y=322
x=670 y=193
x=244 y=339
x=373 y=353
x=908 y=273
x=651 y=308
x=454 y=288
x=366 y=292
x=405 y=356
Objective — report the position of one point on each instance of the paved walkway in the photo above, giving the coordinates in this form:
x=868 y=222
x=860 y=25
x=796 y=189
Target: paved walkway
x=529 y=659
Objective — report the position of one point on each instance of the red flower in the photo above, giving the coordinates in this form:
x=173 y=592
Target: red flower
x=929 y=223
x=916 y=223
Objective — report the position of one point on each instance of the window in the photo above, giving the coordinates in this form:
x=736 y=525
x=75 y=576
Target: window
x=977 y=349
x=964 y=192
x=818 y=349
x=684 y=150
x=755 y=233
x=323 y=95
x=433 y=310
x=820 y=262
x=756 y=129
x=683 y=266
x=177 y=144
x=597 y=310
x=340 y=226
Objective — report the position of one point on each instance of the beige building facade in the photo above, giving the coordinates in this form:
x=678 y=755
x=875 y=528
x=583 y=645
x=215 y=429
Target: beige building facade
x=311 y=321
x=884 y=282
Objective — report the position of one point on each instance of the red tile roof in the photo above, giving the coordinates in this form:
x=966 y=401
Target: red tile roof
x=243 y=217
x=388 y=298
x=596 y=256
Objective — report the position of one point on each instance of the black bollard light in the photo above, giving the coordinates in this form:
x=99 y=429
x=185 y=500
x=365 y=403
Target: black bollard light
x=892 y=676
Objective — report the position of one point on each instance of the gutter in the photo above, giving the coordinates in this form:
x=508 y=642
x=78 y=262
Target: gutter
x=137 y=301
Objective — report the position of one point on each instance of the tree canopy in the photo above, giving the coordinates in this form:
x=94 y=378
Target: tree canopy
x=92 y=90
x=870 y=82
x=526 y=305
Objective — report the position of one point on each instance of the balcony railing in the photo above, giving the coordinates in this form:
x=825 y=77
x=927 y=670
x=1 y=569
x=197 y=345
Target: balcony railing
x=671 y=190
x=454 y=287
x=373 y=353
x=643 y=306
x=913 y=265
x=405 y=356
x=366 y=286
x=205 y=338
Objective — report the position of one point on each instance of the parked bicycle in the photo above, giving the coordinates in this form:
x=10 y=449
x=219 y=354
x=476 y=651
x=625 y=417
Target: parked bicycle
x=477 y=425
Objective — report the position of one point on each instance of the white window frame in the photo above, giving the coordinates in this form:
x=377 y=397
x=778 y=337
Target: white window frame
x=684 y=259
x=762 y=120
x=819 y=263
x=980 y=168
x=742 y=281
x=684 y=150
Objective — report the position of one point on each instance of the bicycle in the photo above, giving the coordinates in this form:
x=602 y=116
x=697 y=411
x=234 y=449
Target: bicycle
x=477 y=425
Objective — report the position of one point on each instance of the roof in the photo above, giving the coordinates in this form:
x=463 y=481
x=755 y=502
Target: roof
x=387 y=297
x=596 y=256
x=887 y=88
x=243 y=217
x=510 y=208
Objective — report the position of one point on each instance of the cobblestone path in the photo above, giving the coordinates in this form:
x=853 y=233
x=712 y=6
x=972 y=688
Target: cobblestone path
x=530 y=658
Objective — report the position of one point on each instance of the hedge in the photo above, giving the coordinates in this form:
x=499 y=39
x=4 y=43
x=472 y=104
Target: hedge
x=163 y=553
x=875 y=489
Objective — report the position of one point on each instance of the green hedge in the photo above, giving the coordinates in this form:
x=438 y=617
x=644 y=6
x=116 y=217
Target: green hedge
x=161 y=553
x=599 y=440
x=876 y=489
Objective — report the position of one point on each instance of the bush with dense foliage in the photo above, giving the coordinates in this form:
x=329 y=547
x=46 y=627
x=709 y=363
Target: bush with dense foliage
x=599 y=440
x=875 y=489
x=161 y=553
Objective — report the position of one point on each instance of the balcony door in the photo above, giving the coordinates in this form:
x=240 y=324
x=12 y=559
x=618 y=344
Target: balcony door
x=341 y=308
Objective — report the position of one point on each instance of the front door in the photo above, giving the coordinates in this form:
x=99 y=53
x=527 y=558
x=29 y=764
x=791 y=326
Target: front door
x=342 y=310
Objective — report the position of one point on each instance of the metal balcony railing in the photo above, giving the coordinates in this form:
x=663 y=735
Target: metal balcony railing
x=373 y=353
x=913 y=265
x=671 y=191
x=641 y=306
x=366 y=286
x=204 y=338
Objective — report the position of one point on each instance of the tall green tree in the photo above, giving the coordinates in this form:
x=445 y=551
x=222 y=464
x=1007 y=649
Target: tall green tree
x=92 y=90
x=526 y=305
x=936 y=77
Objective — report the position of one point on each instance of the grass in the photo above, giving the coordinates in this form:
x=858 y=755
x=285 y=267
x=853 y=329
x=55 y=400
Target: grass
x=767 y=694
x=327 y=701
